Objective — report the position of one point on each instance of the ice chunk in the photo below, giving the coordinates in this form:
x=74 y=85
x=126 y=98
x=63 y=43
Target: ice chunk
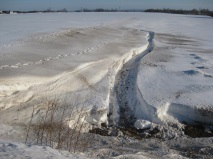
x=142 y=124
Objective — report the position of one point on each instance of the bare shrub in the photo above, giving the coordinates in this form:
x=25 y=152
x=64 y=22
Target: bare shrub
x=50 y=127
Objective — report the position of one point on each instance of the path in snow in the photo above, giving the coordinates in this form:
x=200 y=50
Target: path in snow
x=127 y=103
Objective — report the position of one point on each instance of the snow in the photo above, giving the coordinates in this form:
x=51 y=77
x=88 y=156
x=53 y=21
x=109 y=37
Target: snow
x=12 y=150
x=142 y=124
x=17 y=29
x=175 y=77
x=155 y=69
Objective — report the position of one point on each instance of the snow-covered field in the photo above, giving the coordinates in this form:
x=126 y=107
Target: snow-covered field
x=123 y=69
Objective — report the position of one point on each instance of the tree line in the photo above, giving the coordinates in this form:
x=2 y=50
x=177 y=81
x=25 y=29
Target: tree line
x=35 y=11
x=173 y=11
x=181 y=11
x=97 y=10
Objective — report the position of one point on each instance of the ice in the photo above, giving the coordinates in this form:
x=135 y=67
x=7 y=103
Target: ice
x=142 y=124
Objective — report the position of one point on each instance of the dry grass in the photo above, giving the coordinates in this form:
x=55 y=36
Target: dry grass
x=51 y=128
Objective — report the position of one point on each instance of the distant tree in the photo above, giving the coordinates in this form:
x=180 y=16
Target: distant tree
x=194 y=11
x=100 y=10
x=62 y=10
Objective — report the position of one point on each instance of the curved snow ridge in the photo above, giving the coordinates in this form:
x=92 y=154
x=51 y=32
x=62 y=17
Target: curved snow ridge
x=77 y=75
x=25 y=92
x=12 y=89
x=174 y=113
x=48 y=59
x=125 y=101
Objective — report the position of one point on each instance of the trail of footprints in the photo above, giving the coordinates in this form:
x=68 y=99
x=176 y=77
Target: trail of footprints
x=41 y=38
x=200 y=68
x=19 y=65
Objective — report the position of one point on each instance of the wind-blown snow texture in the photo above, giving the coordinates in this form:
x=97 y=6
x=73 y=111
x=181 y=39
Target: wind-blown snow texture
x=119 y=67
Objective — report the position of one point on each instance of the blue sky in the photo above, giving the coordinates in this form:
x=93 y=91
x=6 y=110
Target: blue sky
x=91 y=4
